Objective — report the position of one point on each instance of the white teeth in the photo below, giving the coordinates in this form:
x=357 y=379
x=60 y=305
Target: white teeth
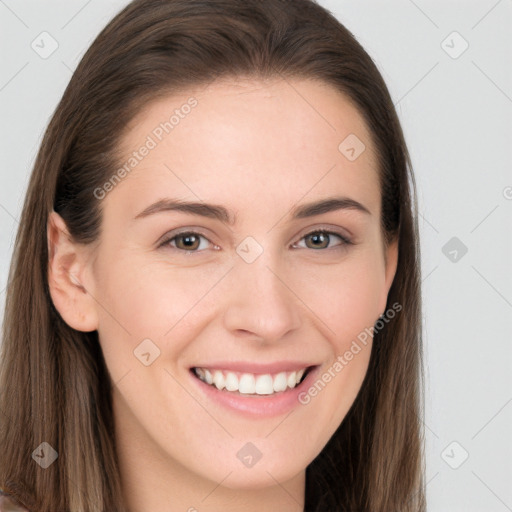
x=231 y=382
x=264 y=385
x=280 y=382
x=218 y=380
x=249 y=383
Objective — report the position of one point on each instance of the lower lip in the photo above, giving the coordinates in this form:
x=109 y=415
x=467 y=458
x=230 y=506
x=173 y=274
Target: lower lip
x=257 y=405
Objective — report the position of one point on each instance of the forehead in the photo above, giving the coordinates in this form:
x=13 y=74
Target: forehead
x=306 y=108
x=249 y=138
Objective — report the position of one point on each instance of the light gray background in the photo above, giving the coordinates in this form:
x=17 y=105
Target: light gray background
x=457 y=117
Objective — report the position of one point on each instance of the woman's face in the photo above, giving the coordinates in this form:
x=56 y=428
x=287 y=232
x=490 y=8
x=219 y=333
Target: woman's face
x=248 y=302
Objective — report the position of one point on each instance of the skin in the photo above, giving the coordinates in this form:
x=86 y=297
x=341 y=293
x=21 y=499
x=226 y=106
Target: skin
x=259 y=149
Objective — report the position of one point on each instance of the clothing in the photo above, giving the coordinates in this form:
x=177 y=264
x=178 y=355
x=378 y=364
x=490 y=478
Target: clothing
x=8 y=505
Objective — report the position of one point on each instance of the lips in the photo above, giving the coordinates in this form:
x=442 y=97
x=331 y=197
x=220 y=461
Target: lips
x=254 y=406
x=249 y=383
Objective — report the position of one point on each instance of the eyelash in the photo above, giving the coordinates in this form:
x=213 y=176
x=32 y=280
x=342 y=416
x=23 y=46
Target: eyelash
x=344 y=240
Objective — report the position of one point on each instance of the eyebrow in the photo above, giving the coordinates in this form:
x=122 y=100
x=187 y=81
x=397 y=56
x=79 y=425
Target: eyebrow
x=218 y=212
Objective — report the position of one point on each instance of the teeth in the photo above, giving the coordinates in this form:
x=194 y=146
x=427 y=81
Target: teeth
x=280 y=382
x=218 y=380
x=249 y=383
x=264 y=385
x=231 y=382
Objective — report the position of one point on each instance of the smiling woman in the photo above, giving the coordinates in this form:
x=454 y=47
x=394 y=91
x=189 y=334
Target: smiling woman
x=214 y=297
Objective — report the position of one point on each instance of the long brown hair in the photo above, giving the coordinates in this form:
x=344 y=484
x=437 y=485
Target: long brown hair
x=53 y=379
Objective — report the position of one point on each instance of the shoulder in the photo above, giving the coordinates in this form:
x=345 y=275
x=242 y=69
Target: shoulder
x=8 y=505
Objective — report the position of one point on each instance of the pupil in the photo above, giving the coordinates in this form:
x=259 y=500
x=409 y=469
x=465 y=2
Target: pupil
x=319 y=237
x=188 y=240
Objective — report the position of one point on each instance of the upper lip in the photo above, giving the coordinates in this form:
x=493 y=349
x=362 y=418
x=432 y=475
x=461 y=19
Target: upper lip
x=258 y=368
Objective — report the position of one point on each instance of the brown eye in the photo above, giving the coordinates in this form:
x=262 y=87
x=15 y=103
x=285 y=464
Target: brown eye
x=321 y=240
x=190 y=241
x=186 y=241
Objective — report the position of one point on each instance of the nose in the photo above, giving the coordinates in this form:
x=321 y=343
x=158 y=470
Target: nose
x=260 y=302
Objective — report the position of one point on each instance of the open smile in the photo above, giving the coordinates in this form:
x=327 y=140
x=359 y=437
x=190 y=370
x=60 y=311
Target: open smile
x=254 y=393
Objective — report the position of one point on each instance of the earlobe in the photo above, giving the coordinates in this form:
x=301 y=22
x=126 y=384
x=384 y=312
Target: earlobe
x=391 y=262
x=391 y=266
x=66 y=268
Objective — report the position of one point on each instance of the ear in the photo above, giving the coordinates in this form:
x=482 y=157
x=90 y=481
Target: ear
x=391 y=261
x=67 y=265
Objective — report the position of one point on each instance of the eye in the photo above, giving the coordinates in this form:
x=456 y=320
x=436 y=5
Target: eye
x=189 y=241
x=321 y=239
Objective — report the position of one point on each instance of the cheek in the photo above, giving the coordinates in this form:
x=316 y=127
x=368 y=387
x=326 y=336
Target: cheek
x=344 y=298
x=347 y=308
x=138 y=301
